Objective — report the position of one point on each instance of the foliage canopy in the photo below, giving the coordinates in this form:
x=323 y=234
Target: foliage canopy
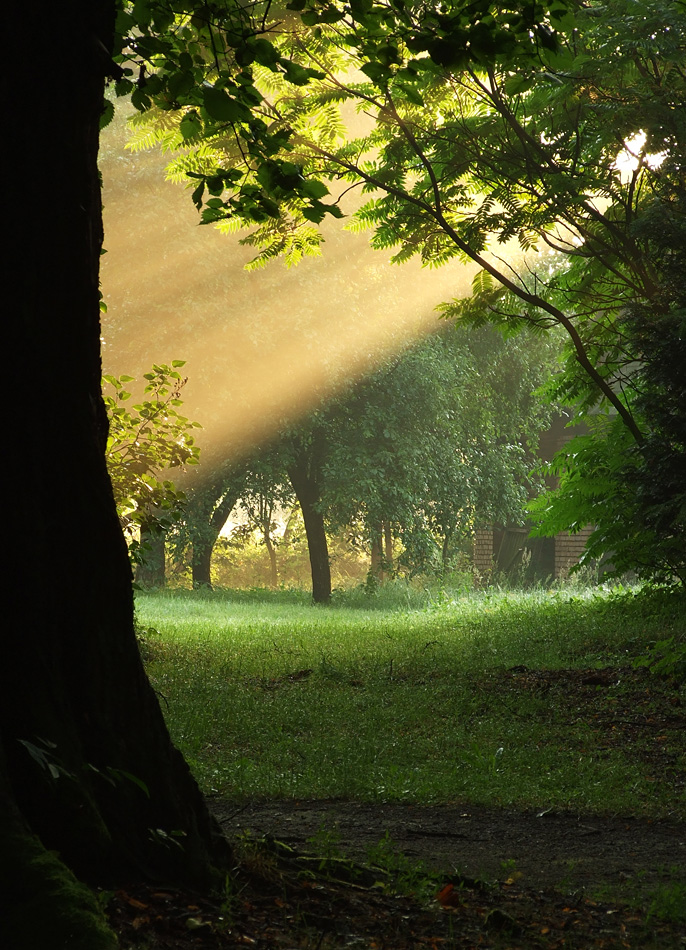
x=542 y=142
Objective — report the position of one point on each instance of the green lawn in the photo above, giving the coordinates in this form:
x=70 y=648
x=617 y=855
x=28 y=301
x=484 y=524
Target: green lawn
x=445 y=700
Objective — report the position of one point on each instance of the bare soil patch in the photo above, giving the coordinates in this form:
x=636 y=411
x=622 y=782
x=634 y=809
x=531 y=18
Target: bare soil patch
x=550 y=849
x=286 y=899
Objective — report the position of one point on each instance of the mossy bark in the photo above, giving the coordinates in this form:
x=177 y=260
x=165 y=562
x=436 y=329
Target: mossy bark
x=43 y=904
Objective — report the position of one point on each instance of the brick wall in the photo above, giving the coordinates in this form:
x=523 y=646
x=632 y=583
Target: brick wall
x=483 y=549
x=568 y=550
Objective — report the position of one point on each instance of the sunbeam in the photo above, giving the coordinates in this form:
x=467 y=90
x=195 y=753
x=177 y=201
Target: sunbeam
x=262 y=348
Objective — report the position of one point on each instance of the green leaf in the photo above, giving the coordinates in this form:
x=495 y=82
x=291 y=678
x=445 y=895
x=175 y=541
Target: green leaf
x=518 y=84
x=221 y=107
x=409 y=93
x=180 y=83
x=107 y=113
x=140 y=99
x=198 y=194
x=270 y=207
x=377 y=72
x=332 y=15
x=299 y=75
x=309 y=17
x=119 y=774
x=360 y=8
x=264 y=52
x=191 y=126
x=313 y=188
x=123 y=87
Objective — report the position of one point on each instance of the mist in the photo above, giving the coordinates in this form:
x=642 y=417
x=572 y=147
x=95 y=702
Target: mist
x=263 y=347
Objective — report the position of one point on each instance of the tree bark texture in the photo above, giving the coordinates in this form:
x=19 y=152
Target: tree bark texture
x=81 y=731
x=303 y=475
x=201 y=564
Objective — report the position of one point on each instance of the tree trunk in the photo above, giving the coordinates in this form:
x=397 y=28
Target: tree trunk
x=381 y=552
x=201 y=563
x=303 y=475
x=273 y=567
x=43 y=903
x=207 y=512
x=376 y=565
x=388 y=546
x=87 y=761
x=290 y=525
x=150 y=572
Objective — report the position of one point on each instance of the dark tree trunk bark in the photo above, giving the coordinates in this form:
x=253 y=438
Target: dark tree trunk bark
x=151 y=571
x=78 y=716
x=303 y=474
x=206 y=520
x=201 y=563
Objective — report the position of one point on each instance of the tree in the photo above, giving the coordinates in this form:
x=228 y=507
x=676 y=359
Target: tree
x=209 y=505
x=441 y=437
x=256 y=485
x=87 y=768
x=636 y=496
x=264 y=496
x=304 y=456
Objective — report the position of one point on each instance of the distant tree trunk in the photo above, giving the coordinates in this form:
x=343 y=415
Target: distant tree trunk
x=81 y=730
x=150 y=572
x=388 y=546
x=303 y=475
x=201 y=563
x=376 y=566
x=292 y=519
x=382 y=552
x=273 y=567
x=446 y=548
x=207 y=512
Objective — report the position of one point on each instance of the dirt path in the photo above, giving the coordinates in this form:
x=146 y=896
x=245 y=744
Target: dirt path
x=558 y=849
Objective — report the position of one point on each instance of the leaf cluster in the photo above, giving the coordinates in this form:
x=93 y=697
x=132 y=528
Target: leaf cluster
x=146 y=439
x=189 y=67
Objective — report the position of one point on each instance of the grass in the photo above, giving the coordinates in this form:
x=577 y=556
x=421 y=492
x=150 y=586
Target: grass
x=664 y=900
x=409 y=698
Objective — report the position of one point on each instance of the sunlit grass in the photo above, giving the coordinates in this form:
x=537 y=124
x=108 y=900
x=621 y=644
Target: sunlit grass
x=272 y=697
